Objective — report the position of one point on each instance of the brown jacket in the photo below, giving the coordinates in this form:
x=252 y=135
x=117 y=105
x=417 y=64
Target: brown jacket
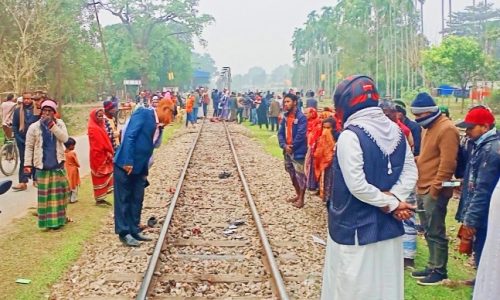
x=438 y=157
x=274 y=109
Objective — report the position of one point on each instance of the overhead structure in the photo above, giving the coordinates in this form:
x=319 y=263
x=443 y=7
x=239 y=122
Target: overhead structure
x=224 y=80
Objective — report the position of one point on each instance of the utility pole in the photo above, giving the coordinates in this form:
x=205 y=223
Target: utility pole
x=101 y=38
x=226 y=75
x=450 y=10
x=422 y=15
x=442 y=18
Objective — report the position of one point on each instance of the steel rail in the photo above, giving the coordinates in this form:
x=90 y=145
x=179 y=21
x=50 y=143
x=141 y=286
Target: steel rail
x=153 y=262
x=275 y=272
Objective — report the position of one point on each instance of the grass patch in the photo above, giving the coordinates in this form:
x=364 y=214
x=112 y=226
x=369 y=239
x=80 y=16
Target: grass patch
x=76 y=119
x=43 y=256
x=169 y=131
x=458 y=268
x=269 y=139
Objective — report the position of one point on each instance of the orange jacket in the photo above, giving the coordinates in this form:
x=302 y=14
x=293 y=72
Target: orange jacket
x=189 y=104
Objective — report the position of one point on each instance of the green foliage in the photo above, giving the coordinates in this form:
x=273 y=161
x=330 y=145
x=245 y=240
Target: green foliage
x=161 y=54
x=456 y=59
x=150 y=25
x=494 y=101
x=408 y=95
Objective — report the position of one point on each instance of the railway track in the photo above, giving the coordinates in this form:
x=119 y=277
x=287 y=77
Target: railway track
x=214 y=245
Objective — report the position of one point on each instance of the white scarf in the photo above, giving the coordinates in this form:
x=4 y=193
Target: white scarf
x=385 y=133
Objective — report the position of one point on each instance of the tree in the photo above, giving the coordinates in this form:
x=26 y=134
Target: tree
x=280 y=74
x=203 y=62
x=166 y=54
x=140 y=18
x=257 y=77
x=380 y=38
x=457 y=59
x=481 y=22
x=30 y=38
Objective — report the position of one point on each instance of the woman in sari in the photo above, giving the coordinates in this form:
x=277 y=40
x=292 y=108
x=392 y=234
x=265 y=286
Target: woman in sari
x=101 y=157
x=313 y=133
x=323 y=157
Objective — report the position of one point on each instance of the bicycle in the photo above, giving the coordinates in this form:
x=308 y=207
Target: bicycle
x=9 y=157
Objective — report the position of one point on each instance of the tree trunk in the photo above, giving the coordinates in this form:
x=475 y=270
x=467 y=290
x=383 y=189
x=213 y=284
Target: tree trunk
x=58 y=74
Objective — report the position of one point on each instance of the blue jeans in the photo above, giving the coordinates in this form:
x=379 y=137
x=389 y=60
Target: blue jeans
x=478 y=244
x=253 y=116
x=240 y=115
x=274 y=121
x=129 y=195
x=195 y=114
x=205 y=109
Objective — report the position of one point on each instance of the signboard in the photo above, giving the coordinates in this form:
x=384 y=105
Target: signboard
x=132 y=82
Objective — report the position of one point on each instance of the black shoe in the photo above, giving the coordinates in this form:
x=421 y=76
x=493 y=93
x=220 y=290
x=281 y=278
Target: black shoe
x=435 y=278
x=128 y=240
x=419 y=228
x=409 y=263
x=421 y=274
x=141 y=237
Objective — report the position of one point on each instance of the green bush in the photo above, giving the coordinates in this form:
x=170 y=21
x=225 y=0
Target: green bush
x=407 y=95
x=493 y=101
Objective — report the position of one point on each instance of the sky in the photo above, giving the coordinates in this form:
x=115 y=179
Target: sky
x=250 y=33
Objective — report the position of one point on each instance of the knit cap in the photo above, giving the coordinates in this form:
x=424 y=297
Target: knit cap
x=423 y=103
x=50 y=104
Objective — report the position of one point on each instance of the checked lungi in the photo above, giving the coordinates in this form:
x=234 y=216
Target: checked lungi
x=53 y=196
x=296 y=170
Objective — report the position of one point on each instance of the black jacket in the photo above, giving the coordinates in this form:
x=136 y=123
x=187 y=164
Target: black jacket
x=481 y=176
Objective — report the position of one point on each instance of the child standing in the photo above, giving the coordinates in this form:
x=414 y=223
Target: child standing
x=71 y=165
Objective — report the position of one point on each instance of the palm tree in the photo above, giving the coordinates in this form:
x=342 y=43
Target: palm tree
x=442 y=18
x=422 y=14
x=449 y=15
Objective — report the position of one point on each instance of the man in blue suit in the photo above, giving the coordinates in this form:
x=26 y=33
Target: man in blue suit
x=142 y=134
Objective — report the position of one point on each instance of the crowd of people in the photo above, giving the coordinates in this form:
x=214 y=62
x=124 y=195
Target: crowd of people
x=118 y=159
x=375 y=168
x=384 y=168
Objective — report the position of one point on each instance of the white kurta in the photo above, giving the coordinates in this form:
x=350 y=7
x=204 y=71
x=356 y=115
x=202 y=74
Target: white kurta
x=488 y=274
x=373 y=271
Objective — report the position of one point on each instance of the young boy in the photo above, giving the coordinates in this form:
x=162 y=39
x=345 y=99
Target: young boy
x=71 y=165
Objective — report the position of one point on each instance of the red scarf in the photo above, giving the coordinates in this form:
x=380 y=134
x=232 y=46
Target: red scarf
x=101 y=149
x=314 y=127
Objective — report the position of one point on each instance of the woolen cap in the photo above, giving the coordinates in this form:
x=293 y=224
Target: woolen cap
x=51 y=104
x=477 y=116
x=423 y=103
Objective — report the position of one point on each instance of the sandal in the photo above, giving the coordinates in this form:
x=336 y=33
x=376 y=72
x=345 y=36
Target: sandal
x=69 y=220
